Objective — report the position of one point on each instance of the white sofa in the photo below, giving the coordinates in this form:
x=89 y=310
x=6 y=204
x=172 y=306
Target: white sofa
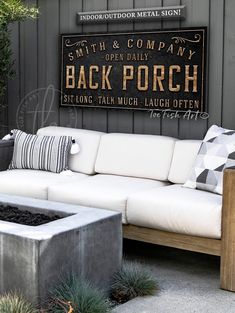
x=140 y=176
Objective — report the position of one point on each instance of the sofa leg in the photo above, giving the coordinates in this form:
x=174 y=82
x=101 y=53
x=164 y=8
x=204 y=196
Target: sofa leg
x=227 y=269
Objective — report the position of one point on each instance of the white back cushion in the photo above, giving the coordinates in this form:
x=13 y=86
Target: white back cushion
x=143 y=156
x=84 y=161
x=184 y=156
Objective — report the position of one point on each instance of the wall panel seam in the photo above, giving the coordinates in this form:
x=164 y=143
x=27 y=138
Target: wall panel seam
x=223 y=42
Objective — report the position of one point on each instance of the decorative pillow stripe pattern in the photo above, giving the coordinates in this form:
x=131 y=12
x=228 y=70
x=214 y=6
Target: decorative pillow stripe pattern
x=216 y=153
x=48 y=153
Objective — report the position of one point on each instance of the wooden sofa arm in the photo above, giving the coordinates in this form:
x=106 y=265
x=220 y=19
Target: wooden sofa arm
x=228 y=231
x=6 y=152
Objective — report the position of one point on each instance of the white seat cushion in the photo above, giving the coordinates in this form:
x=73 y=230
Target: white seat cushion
x=33 y=183
x=89 y=140
x=144 y=156
x=184 y=156
x=177 y=209
x=102 y=191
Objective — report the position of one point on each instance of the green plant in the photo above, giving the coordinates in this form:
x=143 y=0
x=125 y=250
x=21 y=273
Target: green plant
x=13 y=303
x=5 y=59
x=78 y=296
x=10 y=11
x=132 y=281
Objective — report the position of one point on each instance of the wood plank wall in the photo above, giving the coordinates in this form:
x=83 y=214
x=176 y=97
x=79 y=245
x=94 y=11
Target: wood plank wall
x=36 y=52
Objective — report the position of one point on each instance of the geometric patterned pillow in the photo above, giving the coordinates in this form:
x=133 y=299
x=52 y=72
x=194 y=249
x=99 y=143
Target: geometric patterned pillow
x=216 y=153
x=48 y=153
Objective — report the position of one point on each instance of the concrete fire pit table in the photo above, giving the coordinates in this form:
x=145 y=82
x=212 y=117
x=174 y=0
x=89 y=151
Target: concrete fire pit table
x=86 y=241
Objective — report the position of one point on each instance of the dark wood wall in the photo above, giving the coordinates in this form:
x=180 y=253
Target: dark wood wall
x=36 y=50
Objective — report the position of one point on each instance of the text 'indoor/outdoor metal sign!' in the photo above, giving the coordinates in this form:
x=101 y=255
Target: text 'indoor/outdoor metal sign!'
x=142 y=70
x=174 y=12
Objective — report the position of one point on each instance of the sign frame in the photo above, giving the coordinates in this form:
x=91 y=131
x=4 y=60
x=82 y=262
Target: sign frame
x=204 y=95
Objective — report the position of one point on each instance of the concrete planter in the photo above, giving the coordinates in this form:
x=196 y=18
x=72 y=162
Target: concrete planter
x=87 y=242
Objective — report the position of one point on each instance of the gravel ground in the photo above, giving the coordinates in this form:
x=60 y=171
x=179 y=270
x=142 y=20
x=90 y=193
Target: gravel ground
x=189 y=282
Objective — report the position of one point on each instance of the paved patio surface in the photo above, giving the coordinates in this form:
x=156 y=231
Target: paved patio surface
x=189 y=282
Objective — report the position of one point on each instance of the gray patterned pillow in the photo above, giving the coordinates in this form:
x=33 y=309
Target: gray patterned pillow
x=216 y=153
x=48 y=153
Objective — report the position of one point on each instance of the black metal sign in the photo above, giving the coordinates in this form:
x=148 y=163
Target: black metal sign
x=143 y=70
x=173 y=12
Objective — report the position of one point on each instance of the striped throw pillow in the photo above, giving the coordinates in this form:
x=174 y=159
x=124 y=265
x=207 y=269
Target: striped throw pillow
x=47 y=153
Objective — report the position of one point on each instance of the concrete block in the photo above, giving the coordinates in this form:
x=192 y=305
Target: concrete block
x=86 y=241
